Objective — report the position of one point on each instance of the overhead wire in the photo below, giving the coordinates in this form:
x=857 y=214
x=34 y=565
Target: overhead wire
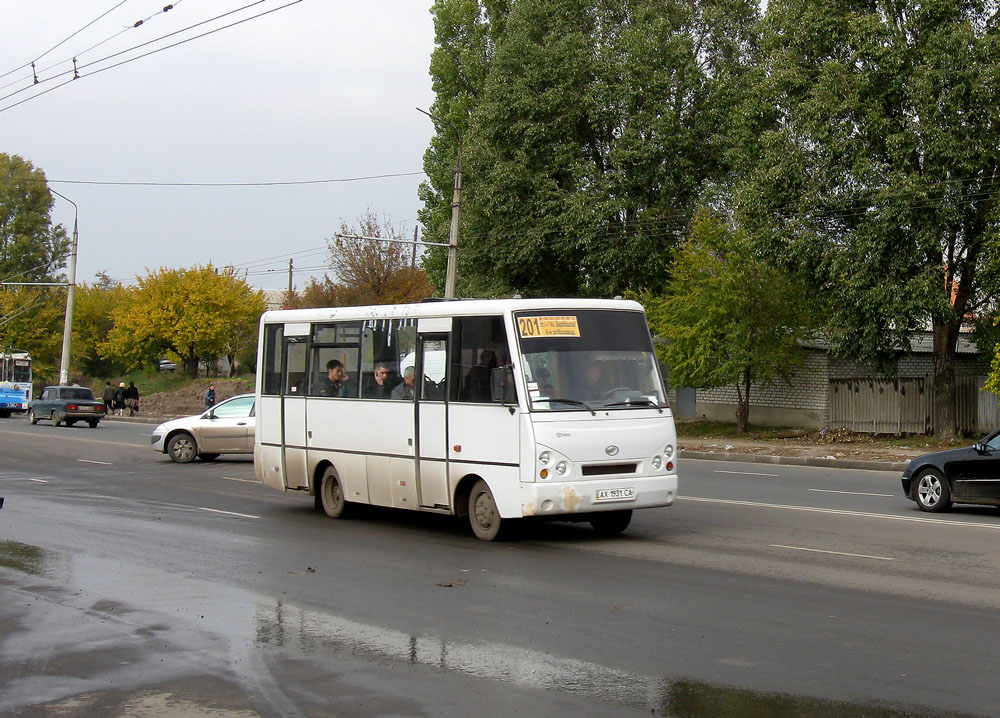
x=76 y=69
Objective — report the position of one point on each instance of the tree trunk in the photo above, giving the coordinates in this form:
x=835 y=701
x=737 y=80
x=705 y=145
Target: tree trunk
x=945 y=341
x=743 y=403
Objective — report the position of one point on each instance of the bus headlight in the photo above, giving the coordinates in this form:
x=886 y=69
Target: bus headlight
x=657 y=462
x=669 y=451
x=544 y=458
x=562 y=468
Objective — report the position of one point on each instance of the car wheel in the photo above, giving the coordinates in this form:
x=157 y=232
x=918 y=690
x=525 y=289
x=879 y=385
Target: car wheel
x=182 y=448
x=611 y=523
x=93 y=423
x=931 y=492
x=484 y=518
x=330 y=497
x=53 y=419
x=32 y=419
x=208 y=457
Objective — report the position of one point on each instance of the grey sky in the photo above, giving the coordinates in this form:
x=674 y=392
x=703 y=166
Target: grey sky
x=323 y=89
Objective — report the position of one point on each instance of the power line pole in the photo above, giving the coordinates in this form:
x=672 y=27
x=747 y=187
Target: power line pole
x=71 y=286
x=289 y=277
x=413 y=261
x=456 y=203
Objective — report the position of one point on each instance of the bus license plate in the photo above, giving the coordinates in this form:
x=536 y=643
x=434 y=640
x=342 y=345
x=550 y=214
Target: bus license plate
x=614 y=494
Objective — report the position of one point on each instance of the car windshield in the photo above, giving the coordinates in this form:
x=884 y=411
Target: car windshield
x=581 y=360
x=77 y=393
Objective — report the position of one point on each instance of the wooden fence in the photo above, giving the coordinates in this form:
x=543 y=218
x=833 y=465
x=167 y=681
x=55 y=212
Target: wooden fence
x=906 y=406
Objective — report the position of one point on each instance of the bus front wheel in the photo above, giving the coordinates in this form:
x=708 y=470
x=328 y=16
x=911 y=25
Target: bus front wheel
x=483 y=515
x=611 y=523
x=331 y=496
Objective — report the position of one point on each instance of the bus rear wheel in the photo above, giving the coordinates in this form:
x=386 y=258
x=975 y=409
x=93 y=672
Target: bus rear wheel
x=331 y=496
x=611 y=523
x=484 y=519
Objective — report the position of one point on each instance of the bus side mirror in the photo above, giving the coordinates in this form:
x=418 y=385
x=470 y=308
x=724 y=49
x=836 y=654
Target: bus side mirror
x=502 y=385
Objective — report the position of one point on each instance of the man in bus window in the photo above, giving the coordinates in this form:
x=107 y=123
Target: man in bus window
x=335 y=381
x=405 y=390
x=381 y=388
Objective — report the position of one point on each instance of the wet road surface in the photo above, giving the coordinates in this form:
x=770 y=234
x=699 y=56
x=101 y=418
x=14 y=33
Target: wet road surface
x=133 y=586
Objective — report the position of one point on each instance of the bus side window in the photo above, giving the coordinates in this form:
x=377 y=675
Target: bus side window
x=480 y=347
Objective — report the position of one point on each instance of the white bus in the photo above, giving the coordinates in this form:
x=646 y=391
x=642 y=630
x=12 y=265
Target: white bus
x=550 y=408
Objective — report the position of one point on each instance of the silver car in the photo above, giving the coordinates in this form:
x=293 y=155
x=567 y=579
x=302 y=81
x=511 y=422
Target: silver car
x=226 y=428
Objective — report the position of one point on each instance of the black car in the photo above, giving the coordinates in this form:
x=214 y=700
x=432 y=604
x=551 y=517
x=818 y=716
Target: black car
x=966 y=476
x=67 y=403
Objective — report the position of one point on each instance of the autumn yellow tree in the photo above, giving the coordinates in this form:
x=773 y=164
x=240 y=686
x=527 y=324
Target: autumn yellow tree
x=93 y=319
x=196 y=314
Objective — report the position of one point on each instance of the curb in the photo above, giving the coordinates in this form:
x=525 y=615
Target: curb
x=863 y=464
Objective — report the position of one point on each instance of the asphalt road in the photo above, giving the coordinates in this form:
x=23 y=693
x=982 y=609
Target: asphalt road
x=134 y=586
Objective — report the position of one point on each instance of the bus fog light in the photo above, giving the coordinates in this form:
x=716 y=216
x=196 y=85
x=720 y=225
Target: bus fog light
x=544 y=458
x=547 y=505
x=562 y=467
x=657 y=462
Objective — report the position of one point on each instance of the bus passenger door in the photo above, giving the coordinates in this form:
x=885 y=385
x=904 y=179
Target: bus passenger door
x=293 y=413
x=432 y=421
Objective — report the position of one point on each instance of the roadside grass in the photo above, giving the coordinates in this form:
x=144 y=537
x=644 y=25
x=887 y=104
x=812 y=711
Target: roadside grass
x=790 y=434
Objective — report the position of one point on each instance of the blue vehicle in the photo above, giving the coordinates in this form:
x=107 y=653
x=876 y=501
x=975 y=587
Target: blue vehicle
x=11 y=400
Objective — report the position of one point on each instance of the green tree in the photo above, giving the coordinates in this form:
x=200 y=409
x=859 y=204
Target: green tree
x=31 y=318
x=878 y=179
x=587 y=132
x=731 y=317
x=31 y=249
x=196 y=314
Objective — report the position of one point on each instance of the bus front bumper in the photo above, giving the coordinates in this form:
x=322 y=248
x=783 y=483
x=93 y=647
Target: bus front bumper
x=576 y=497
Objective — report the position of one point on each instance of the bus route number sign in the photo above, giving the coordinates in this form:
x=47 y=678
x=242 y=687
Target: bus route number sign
x=534 y=327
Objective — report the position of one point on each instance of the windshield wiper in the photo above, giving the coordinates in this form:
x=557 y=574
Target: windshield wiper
x=569 y=401
x=644 y=401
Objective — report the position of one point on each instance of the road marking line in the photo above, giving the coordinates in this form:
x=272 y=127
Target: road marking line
x=248 y=481
x=842 y=512
x=834 y=553
x=229 y=513
x=852 y=493
x=88 y=461
x=39 y=481
x=744 y=473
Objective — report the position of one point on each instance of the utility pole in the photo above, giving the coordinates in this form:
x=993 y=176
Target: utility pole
x=289 y=280
x=70 y=288
x=456 y=203
x=413 y=261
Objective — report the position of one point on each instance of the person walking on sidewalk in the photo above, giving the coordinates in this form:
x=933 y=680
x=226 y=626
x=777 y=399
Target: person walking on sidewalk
x=108 y=397
x=210 y=396
x=119 y=400
x=132 y=399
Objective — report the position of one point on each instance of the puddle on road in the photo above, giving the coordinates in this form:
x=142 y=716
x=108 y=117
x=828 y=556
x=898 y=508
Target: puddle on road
x=249 y=622
x=310 y=632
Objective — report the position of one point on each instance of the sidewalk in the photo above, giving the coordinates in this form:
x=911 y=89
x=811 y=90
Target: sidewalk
x=838 y=456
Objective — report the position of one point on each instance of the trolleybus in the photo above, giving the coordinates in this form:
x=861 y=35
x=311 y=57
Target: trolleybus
x=15 y=381
x=492 y=410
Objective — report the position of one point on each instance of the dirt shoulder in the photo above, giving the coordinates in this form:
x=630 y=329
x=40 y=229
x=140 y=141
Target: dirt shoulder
x=190 y=400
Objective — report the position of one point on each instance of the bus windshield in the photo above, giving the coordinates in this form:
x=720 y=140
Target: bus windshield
x=580 y=360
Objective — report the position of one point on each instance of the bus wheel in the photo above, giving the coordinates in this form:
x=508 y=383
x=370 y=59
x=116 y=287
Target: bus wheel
x=611 y=523
x=483 y=515
x=331 y=495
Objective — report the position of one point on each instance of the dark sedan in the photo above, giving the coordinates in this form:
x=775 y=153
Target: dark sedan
x=68 y=404
x=966 y=476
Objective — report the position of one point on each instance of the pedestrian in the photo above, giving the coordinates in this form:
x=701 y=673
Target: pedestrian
x=132 y=399
x=210 y=396
x=119 y=400
x=108 y=396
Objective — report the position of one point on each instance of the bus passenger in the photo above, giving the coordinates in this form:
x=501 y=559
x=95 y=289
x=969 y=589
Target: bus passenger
x=405 y=390
x=381 y=388
x=335 y=381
